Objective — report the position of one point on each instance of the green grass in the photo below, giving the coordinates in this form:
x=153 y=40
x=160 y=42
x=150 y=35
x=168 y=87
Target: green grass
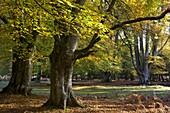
x=111 y=91
x=122 y=91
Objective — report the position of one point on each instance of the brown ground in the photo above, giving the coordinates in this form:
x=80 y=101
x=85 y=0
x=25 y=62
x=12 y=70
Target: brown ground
x=134 y=103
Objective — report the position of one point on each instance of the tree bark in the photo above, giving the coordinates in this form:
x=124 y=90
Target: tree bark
x=21 y=74
x=62 y=61
x=140 y=62
x=22 y=68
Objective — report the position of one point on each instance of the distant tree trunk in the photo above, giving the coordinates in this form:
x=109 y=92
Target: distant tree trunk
x=139 y=62
x=39 y=72
x=21 y=74
x=106 y=77
x=168 y=67
x=140 y=57
x=132 y=77
x=146 y=66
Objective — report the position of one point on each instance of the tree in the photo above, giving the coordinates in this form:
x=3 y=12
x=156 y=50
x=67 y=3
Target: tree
x=62 y=59
x=21 y=30
x=142 y=41
x=144 y=49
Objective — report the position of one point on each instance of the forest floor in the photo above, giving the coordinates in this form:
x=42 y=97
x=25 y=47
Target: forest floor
x=133 y=103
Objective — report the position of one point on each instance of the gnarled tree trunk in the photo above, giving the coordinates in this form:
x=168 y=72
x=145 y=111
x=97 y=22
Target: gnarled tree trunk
x=62 y=60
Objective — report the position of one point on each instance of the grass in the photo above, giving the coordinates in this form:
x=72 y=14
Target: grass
x=119 y=91
x=111 y=91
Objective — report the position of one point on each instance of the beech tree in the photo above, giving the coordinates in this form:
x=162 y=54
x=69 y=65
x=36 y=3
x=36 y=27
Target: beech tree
x=19 y=29
x=144 y=49
x=143 y=41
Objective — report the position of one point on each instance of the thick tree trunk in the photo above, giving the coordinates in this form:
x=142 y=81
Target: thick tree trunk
x=61 y=93
x=21 y=74
x=141 y=79
x=62 y=60
x=144 y=79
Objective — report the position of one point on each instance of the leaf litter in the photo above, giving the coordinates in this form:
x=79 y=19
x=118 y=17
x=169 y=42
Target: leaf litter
x=134 y=103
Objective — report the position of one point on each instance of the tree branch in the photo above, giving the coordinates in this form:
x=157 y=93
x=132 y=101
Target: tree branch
x=86 y=51
x=43 y=8
x=140 y=19
x=164 y=45
x=82 y=53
